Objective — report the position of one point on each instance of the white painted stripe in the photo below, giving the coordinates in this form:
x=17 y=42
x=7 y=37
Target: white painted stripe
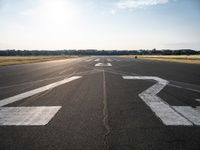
x=163 y=110
x=162 y=81
x=98 y=64
x=15 y=98
x=97 y=59
x=167 y=115
x=103 y=65
x=27 y=115
x=192 y=114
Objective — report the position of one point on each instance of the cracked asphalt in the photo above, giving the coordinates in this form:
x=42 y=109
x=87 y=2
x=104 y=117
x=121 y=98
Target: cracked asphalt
x=100 y=110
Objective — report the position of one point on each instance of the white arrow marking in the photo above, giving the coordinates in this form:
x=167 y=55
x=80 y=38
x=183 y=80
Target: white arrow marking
x=164 y=111
x=103 y=65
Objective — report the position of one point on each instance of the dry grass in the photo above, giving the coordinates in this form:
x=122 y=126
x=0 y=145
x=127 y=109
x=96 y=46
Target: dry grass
x=13 y=60
x=192 y=59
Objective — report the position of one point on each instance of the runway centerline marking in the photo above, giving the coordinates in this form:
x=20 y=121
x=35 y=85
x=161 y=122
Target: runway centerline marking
x=167 y=114
x=103 y=65
x=25 y=116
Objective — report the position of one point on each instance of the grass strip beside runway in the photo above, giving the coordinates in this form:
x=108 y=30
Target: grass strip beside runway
x=13 y=60
x=190 y=59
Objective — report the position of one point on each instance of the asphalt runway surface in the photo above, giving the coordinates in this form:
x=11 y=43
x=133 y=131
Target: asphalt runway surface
x=97 y=103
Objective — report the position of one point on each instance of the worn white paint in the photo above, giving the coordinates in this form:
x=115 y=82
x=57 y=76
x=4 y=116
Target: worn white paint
x=190 y=113
x=167 y=114
x=103 y=65
x=98 y=64
x=97 y=59
x=26 y=116
x=18 y=97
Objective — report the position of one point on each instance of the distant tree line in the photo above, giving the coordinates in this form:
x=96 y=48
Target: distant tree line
x=96 y=52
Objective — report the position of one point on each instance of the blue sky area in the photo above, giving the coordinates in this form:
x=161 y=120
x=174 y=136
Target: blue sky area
x=99 y=24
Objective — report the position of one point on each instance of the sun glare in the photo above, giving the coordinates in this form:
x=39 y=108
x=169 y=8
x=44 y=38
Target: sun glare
x=57 y=17
x=57 y=10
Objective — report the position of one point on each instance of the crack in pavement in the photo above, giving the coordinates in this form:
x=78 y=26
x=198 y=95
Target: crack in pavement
x=105 y=113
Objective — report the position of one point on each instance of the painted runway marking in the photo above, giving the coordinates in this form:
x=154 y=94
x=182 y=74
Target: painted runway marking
x=15 y=98
x=109 y=60
x=30 y=115
x=97 y=59
x=103 y=65
x=105 y=110
x=167 y=114
x=190 y=113
x=26 y=116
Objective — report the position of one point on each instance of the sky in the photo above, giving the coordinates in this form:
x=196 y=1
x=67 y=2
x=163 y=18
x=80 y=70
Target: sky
x=99 y=24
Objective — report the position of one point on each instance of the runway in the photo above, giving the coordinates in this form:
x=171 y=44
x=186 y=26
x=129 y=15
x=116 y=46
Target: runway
x=100 y=102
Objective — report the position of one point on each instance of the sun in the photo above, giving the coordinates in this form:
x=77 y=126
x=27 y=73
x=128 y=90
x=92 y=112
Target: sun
x=57 y=11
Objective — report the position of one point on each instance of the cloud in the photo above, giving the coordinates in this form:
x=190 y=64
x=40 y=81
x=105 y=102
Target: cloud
x=134 y=4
